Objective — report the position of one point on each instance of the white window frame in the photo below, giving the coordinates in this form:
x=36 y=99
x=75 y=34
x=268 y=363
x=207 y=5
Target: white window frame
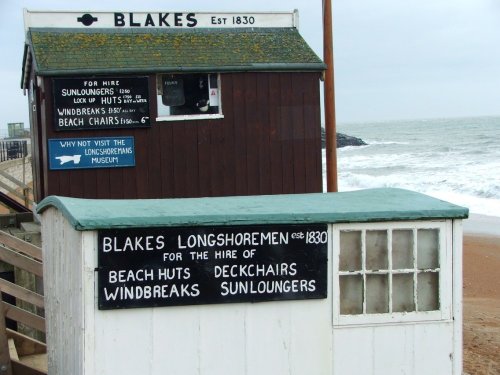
x=445 y=274
x=201 y=116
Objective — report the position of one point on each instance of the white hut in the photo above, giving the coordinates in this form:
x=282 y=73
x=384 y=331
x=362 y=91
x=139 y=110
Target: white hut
x=366 y=282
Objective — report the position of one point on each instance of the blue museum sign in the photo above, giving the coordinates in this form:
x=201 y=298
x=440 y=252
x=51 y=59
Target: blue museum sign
x=80 y=153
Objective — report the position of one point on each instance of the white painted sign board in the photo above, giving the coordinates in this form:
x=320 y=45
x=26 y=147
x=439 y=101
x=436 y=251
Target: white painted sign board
x=158 y=19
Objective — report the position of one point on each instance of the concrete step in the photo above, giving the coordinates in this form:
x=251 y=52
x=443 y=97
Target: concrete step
x=34 y=238
x=15 y=220
x=32 y=233
x=22 y=226
x=30 y=226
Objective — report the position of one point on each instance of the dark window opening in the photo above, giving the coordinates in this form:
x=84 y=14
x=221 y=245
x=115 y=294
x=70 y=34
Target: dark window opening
x=188 y=94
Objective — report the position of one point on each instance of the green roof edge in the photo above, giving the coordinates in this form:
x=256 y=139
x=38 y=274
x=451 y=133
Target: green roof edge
x=372 y=205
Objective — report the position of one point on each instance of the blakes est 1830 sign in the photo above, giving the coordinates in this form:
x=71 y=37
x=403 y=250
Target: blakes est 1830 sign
x=150 y=267
x=101 y=103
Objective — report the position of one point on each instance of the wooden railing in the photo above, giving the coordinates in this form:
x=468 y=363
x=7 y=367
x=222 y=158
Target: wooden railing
x=20 y=354
x=15 y=188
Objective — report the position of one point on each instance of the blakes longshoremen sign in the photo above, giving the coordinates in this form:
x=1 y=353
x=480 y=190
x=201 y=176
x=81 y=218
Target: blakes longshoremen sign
x=205 y=265
x=162 y=19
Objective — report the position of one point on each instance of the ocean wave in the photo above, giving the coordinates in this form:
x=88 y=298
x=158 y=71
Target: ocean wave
x=477 y=205
x=457 y=159
x=419 y=180
x=485 y=202
x=476 y=188
x=357 y=160
x=383 y=143
x=347 y=148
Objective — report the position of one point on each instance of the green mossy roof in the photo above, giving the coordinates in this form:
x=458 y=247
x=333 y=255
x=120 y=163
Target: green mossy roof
x=70 y=51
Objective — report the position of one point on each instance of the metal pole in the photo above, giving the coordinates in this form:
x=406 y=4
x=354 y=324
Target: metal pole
x=330 y=125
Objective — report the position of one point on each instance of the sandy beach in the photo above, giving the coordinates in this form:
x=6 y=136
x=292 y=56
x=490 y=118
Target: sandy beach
x=481 y=273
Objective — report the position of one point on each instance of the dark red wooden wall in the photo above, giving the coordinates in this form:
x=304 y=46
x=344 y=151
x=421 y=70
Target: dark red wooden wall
x=268 y=142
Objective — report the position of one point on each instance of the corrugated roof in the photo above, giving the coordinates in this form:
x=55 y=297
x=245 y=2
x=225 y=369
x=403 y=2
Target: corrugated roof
x=73 y=51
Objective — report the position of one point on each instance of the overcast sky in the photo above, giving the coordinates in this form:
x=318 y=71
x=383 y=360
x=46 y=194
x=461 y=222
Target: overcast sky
x=394 y=59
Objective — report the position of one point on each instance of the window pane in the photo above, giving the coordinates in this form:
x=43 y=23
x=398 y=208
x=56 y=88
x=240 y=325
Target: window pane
x=377 y=294
x=351 y=294
x=402 y=249
x=402 y=293
x=428 y=291
x=350 y=251
x=376 y=250
x=428 y=249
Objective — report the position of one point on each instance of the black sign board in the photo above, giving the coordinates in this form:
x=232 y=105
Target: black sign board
x=149 y=267
x=101 y=103
x=173 y=91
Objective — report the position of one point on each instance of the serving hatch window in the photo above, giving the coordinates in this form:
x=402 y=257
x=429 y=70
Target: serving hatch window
x=188 y=96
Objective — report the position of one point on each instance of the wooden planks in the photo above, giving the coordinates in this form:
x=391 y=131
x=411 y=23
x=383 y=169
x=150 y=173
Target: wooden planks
x=21 y=246
x=25 y=369
x=267 y=143
x=23 y=316
x=21 y=293
x=26 y=345
x=4 y=345
x=15 y=347
x=21 y=261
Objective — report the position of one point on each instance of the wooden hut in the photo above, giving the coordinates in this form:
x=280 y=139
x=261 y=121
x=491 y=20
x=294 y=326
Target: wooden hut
x=154 y=105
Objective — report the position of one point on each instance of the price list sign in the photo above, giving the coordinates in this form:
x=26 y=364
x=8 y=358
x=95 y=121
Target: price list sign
x=101 y=103
x=149 y=267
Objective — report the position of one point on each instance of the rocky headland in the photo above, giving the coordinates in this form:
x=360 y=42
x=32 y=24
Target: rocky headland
x=343 y=140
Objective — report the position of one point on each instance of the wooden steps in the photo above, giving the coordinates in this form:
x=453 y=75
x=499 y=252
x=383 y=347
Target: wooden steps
x=21 y=354
x=27 y=352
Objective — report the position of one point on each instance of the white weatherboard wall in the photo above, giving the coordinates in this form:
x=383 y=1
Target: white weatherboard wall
x=285 y=337
x=298 y=337
x=413 y=343
x=64 y=289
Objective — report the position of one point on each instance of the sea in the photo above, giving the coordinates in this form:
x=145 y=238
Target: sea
x=453 y=159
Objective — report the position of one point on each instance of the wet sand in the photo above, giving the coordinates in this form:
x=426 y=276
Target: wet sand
x=481 y=273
